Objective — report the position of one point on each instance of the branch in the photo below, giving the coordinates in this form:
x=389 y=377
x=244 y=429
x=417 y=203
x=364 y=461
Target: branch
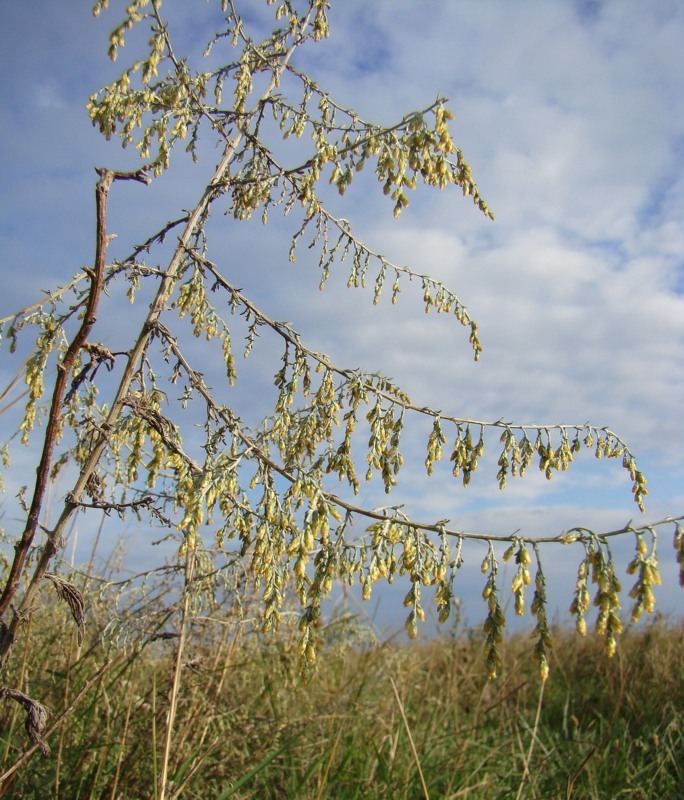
x=252 y=446
x=292 y=337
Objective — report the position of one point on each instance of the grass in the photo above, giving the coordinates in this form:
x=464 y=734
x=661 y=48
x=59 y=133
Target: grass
x=377 y=719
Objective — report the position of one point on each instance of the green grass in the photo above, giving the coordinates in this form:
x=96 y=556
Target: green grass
x=375 y=721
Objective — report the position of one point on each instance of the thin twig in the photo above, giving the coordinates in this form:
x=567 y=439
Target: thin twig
x=50 y=297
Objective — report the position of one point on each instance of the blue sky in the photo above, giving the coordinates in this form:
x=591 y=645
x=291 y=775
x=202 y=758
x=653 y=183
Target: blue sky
x=571 y=115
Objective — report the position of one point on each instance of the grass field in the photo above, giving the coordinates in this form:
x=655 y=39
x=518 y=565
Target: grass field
x=376 y=720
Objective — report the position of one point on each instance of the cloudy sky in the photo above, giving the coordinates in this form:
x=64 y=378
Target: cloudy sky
x=571 y=115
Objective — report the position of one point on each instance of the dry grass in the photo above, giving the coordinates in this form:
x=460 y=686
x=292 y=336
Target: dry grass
x=377 y=720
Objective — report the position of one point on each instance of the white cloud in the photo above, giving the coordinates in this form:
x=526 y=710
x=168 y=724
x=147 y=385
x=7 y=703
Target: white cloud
x=47 y=96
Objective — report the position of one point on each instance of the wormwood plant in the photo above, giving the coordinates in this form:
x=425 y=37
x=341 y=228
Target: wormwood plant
x=263 y=494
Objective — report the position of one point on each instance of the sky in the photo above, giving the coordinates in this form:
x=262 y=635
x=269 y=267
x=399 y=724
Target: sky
x=571 y=115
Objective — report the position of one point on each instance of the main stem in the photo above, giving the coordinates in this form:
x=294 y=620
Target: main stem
x=55 y=416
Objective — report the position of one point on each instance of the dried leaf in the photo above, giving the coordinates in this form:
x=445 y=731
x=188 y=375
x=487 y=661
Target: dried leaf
x=36 y=717
x=74 y=599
